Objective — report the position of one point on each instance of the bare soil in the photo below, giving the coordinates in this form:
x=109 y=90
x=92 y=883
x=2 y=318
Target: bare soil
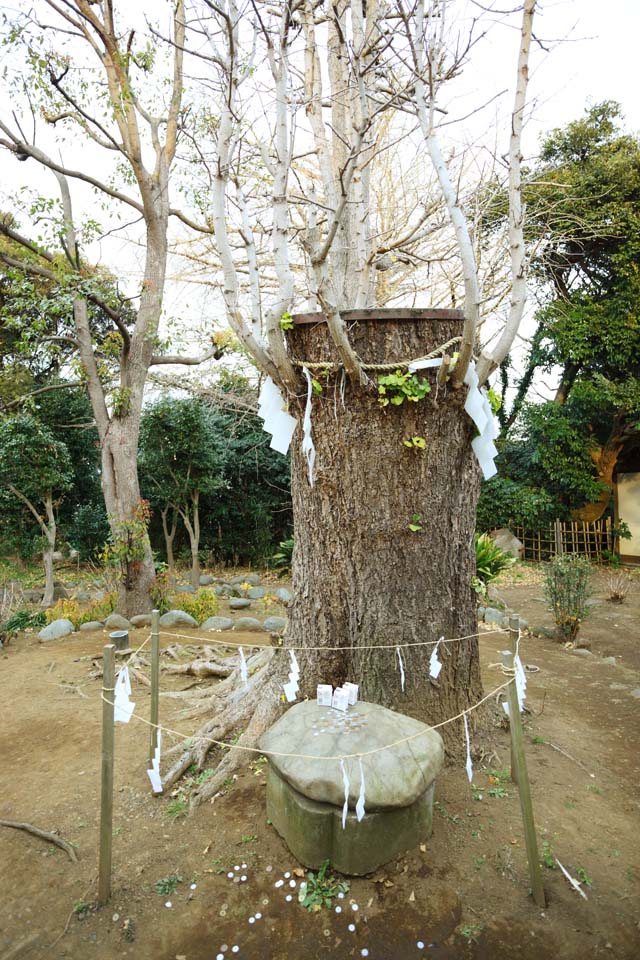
x=465 y=895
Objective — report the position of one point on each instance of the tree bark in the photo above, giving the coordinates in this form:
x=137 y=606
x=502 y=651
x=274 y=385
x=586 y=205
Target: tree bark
x=360 y=575
x=192 y=525
x=169 y=537
x=50 y=531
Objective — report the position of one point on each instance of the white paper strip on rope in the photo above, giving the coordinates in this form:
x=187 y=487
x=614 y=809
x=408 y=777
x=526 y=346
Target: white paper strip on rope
x=469 y=765
x=307 y=442
x=277 y=422
x=345 y=806
x=478 y=407
x=361 y=796
x=123 y=707
x=154 y=772
x=434 y=664
x=244 y=675
x=291 y=688
x=401 y=665
x=574 y=883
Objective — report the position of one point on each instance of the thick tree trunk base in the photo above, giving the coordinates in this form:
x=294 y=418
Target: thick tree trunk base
x=361 y=576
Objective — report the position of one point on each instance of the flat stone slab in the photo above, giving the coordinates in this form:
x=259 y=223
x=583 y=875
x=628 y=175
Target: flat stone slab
x=394 y=777
x=239 y=603
x=313 y=831
x=91 y=625
x=275 y=624
x=217 y=623
x=248 y=623
x=174 y=618
x=56 y=629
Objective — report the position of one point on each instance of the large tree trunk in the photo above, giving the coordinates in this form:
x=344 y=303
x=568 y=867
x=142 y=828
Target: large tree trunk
x=169 y=536
x=122 y=498
x=361 y=576
x=192 y=525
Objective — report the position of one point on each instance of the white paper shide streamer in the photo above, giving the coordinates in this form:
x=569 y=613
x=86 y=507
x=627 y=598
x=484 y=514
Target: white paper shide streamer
x=361 y=796
x=123 y=707
x=434 y=664
x=277 y=422
x=345 y=807
x=574 y=883
x=291 y=688
x=154 y=772
x=244 y=674
x=479 y=409
x=401 y=665
x=466 y=736
x=307 y=443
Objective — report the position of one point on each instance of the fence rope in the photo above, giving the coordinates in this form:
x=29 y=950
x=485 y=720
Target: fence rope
x=314 y=756
x=331 y=365
x=375 y=646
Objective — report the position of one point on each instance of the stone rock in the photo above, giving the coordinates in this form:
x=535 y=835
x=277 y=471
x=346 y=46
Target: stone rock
x=57 y=556
x=56 y=629
x=524 y=624
x=60 y=592
x=99 y=595
x=174 y=618
x=185 y=588
x=636 y=693
x=313 y=831
x=583 y=643
x=610 y=660
x=239 y=603
x=91 y=625
x=83 y=596
x=394 y=777
x=116 y=622
x=275 y=624
x=256 y=593
x=217 y=623
x=508 y=542
x=221 y=590
x=33 y=596
x=491 y=615
x=283 y=594
x=249 y=624
x=236 y=580
x=305 y=797
x=582 y=652
x=253 y=579
x=481 y=611
x=141 y=620
x=205 y=580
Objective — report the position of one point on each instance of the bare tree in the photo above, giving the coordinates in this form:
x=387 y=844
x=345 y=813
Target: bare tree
x=310 y=94
x=108 y=93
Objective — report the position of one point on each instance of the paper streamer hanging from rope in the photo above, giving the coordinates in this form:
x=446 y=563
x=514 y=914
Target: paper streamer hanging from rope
x=154 y=772
x=574 y=883
x=401 y=665
x=434 y=664
x=291 y=688
x=123 y=707
x=244 y=674
x=361 y=796
x=345 y=807
x=307 y=443
x=479 y=409
x=277 y=422
x=466 y=736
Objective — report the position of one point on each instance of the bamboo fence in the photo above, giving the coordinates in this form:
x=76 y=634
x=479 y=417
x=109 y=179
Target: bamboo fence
x=596 y=540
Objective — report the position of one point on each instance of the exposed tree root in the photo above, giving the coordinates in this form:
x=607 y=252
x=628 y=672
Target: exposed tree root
x=230 y=706
x=43 y=835
x=201 y=668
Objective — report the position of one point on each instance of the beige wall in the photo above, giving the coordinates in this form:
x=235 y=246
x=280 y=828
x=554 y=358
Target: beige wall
x=628 y=501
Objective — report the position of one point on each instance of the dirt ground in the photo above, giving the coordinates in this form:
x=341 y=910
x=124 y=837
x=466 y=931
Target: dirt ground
x=463 y=895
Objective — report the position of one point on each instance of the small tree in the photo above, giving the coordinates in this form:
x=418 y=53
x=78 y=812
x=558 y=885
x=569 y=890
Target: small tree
x=181 y=459
x=35 y=470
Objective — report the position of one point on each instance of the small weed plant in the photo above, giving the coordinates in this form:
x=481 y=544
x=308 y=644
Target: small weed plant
x=395 y=388
x=618 y=587
x=25 y=620
x=319 y=889
x=491 y=560
x=283 y=558
x=177 y=808
x=567 y=589
x=548 y=857
x=168 y=885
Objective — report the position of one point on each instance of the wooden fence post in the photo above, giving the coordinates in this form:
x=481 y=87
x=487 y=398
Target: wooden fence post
x=559 y=543
x=106 y=788
x=522 y=777
x=155 y=681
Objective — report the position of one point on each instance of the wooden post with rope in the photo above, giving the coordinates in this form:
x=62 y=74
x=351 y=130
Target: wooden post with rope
x=520 y=767
x=106 y=787
x=155 y=682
